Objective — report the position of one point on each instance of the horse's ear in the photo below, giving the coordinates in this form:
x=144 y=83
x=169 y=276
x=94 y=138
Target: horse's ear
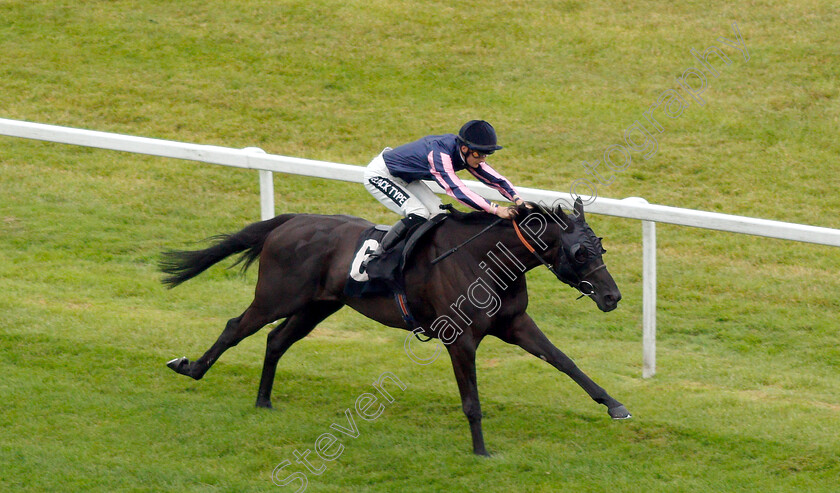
x=579 y=209
x=562 y=219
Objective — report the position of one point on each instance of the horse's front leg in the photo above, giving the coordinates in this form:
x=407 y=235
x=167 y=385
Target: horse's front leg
x=462 y=354
x=524 y=333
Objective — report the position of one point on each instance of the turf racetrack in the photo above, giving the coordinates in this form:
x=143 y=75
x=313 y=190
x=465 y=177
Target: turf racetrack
x=745 y=398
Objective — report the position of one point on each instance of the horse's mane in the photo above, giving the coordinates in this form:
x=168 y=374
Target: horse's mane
x=482 y=218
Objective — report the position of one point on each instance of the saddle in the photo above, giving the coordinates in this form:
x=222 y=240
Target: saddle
x=385 y=275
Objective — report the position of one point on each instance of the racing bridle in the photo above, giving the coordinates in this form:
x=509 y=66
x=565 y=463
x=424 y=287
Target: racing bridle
x=576 y=281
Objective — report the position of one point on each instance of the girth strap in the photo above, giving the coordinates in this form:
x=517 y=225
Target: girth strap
x=402 y=303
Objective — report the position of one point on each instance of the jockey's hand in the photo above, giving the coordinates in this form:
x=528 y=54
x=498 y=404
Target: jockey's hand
x=518 y=201
x=506 y=212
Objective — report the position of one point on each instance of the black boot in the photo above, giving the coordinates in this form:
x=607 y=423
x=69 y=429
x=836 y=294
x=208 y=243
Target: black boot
x=393 y=236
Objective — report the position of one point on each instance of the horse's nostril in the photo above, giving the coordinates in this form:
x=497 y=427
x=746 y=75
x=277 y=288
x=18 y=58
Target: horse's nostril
x=611 y=300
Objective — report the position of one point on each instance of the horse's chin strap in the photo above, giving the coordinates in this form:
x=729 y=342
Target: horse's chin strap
x=581 y=280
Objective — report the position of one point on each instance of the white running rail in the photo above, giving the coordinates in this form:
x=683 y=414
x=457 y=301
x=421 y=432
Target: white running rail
x=255 y=158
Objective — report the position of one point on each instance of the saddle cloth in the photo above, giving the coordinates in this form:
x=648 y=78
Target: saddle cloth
x=359 y=283
x=385 y=275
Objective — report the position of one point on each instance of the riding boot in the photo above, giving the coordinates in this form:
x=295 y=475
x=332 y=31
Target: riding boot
x=394 y=235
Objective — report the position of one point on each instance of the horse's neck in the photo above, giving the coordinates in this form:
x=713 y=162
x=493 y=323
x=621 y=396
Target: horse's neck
x=507 y=255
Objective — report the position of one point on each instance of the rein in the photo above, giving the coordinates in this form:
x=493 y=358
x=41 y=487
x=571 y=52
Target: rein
x=581 y=280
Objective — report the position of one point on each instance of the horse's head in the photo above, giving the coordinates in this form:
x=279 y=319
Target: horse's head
x=578 y=261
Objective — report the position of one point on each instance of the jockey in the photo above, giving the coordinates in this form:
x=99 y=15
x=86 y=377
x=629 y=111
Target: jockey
x=394 y=177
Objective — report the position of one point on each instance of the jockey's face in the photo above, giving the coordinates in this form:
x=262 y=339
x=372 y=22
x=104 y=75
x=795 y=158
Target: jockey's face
x=473 y=158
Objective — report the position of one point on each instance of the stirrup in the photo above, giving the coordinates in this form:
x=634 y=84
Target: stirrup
x=377 y=254
x=370 y=258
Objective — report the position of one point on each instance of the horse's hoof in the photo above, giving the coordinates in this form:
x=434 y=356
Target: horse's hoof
x=620 y=412
x=178 y=364
x=264 y=404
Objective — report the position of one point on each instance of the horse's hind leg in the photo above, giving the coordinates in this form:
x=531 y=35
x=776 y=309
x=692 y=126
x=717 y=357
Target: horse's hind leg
x=237 y=329
x=525 y=333
x=293 y=329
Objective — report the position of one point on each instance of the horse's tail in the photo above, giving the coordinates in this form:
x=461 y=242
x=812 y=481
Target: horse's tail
x=184 y=265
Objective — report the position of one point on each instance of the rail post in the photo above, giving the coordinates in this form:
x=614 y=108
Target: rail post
x=648 y=294
x=266 y=187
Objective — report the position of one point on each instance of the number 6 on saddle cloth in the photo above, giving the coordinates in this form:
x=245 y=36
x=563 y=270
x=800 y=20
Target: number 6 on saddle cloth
x=384 y=274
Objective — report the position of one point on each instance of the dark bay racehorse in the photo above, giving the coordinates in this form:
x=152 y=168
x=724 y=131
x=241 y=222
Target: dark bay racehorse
x=479 y=290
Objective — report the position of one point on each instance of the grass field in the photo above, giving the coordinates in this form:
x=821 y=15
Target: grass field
x=746 y=395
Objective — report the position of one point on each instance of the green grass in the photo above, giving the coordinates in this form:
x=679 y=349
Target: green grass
x=745 y=397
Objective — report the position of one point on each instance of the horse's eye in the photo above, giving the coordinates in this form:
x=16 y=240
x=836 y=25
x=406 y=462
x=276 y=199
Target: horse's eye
x=579 y=253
